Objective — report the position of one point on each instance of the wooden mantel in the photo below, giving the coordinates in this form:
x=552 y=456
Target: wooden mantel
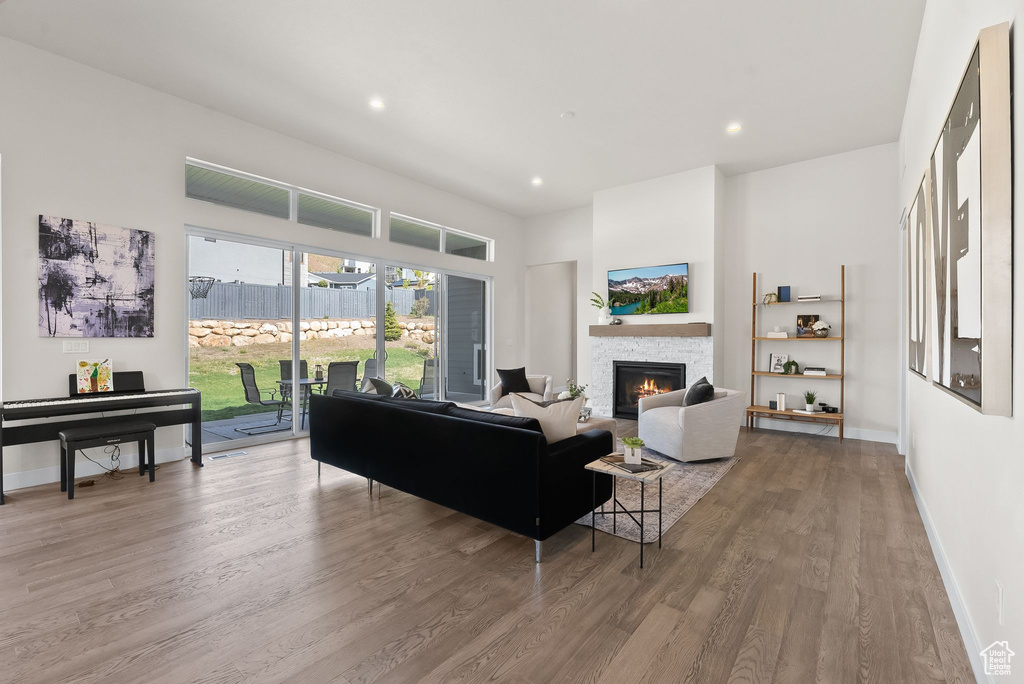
x=652 y=330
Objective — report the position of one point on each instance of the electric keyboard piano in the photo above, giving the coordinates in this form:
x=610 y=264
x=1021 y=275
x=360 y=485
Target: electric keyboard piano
x=72 y=411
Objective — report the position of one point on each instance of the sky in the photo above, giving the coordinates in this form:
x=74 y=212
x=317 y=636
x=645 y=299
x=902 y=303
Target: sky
x=648 y=272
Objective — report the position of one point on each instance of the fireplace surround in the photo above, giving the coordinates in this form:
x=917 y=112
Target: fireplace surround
x=634 y=380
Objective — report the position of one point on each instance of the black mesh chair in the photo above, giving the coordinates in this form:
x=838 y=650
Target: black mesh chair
x=427 y=380
x=369 y=371
x=341 y=375
x=254 y=395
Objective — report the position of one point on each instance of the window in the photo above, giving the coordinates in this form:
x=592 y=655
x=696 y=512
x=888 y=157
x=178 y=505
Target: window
x=334 y=215
x=212 y=183
x=410 y=231
x=415 y=233
x=236 y=192
x=465 y=245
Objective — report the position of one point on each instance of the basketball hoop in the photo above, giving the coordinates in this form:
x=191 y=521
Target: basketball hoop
x=199 y=286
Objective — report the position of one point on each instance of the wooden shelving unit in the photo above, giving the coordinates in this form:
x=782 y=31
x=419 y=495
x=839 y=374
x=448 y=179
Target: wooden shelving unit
x=755 y=410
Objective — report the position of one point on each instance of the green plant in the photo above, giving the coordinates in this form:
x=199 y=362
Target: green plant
x=391 y=330
x=419 y=307
x=634 y=442
x=809 y=397
x=574 y=389
x=790 y=368
x=597 y=301
x=323 y=283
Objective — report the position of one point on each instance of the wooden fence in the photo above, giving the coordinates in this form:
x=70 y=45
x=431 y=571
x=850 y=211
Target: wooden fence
x=270 y=302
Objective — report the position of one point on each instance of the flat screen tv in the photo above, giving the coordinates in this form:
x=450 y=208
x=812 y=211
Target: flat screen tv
x=649 y=290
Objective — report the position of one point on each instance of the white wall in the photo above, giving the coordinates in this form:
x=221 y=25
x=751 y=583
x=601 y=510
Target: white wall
x=795 y=225
x=568 y=236
x=666 y=220
x=551 y=321
x=968 y=468
x=83 y=144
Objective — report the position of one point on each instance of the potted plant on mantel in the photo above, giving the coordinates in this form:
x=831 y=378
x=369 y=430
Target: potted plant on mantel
x=809 y=398
x=634 y=448
x=604 y=312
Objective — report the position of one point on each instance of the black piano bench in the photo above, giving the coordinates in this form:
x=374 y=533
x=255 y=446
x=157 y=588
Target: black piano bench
x=73 y=439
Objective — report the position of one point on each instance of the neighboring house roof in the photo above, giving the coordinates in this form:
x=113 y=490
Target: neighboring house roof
x=343 y=278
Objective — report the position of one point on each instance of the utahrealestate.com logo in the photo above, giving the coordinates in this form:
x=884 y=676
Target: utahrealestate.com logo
x=997 y=658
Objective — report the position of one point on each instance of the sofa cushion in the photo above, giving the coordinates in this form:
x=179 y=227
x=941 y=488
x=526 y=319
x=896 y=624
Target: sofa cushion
x=506 y=401
x=495 y=418
x=513 y=380
x=557 y=420
x=701 y=392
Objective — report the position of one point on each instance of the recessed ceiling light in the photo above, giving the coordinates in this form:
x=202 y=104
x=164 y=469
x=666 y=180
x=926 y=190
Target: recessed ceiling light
x=568 y=115
x=537 y=180
x=733 y=128
x=377 y=103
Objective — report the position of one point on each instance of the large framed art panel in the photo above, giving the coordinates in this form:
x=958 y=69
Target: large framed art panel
x=918 y=282
x=971 y=234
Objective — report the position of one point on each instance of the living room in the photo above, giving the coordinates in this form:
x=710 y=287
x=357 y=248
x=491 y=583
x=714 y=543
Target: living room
x=621 y=346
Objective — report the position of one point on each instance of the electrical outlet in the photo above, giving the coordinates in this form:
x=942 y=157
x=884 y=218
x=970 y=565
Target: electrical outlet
x=76 y=347
x=913 y=440
x=999 y=601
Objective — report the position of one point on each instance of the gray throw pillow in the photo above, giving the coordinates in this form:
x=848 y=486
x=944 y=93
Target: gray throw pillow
x=382 y=387
x=702 y=391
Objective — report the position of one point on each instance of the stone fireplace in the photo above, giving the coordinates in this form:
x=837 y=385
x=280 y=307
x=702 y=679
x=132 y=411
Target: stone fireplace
x=690 y=345
x=634 y=380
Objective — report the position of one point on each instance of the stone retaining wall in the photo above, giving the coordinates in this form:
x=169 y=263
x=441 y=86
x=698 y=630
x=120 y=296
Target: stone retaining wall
x=211 y=333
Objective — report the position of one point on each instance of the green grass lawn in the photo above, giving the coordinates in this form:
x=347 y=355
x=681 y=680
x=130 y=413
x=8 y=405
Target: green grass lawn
x=213 y=371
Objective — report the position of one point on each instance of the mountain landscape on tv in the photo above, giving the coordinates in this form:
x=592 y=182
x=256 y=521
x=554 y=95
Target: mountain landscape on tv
x=651 y=290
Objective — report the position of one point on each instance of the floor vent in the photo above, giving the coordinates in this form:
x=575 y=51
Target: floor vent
x=228 y=455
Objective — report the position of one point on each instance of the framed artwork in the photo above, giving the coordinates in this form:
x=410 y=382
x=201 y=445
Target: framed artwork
x=804 y=323
x=777 y=363
x=917 y=250
x=94 y=280
x=971 y=234
x=95 y=376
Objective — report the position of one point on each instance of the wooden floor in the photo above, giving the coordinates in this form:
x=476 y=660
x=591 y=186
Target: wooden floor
x=807 y=562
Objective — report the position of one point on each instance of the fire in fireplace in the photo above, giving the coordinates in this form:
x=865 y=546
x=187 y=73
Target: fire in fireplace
x=635 y=380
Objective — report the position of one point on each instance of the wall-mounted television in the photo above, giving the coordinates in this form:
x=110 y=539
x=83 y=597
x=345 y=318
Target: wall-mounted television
x=649 y=290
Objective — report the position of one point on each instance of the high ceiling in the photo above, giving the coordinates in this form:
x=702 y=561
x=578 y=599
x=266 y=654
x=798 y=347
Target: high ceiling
x=475 y=89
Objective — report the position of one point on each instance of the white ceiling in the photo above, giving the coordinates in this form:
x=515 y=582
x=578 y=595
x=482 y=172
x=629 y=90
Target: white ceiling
x=474 y=88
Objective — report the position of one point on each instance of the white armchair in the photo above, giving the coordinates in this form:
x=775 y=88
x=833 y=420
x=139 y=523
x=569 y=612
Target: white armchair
x=692 y=433
x=540 y=390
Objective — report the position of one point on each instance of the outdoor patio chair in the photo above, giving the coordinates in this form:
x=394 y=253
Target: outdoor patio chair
x=254 y=395
x=427 y=380
x=341 y=375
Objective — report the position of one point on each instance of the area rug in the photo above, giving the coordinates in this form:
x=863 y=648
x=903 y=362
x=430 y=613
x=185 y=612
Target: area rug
x=684 y=485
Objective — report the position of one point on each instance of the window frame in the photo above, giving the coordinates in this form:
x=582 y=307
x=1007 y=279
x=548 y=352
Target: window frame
x=445 y=230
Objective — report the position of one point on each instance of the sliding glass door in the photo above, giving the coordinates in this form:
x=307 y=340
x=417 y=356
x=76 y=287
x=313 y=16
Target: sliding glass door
x=465 y=338
x=410 y=328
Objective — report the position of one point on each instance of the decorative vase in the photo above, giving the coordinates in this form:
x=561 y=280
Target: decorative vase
x=632 y=455
x=809 y=407
x=821 y=333
x=604 y=316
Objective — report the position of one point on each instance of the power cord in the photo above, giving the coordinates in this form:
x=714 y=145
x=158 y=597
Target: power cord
x=114 y=471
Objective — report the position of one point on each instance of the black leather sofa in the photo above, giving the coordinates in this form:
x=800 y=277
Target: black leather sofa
x=493 y=467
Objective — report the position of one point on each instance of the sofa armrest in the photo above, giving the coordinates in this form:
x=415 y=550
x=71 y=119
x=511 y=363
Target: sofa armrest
x=674 y=398
x=567 y=488
x=541 y=384
x=495 y=394
x=712 y=428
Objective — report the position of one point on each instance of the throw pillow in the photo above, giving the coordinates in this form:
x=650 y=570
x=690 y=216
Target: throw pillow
x=557 y=420
x=403 y=391
x=382 y=387
x=702 y=391
x=513 y=380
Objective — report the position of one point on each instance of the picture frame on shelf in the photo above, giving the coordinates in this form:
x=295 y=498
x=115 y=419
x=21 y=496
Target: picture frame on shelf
x=777 y=362
x=804 y=323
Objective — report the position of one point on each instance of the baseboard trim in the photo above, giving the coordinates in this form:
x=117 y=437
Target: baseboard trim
x=883 y=436
x=84 y=468
x=963 y=618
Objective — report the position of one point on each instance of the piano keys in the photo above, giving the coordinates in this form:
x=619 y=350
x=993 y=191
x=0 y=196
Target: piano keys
x=74 y=411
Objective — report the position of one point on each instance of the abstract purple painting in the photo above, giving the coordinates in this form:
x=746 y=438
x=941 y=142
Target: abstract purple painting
x=94 y=280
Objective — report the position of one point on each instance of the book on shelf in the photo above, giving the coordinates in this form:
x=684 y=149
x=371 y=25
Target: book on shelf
x=814 y=368
x=808 y=298
x=808 y=413
x=777 y=335
x=819 y=374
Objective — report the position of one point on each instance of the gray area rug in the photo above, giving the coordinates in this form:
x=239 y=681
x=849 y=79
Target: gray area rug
x=684 y=485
